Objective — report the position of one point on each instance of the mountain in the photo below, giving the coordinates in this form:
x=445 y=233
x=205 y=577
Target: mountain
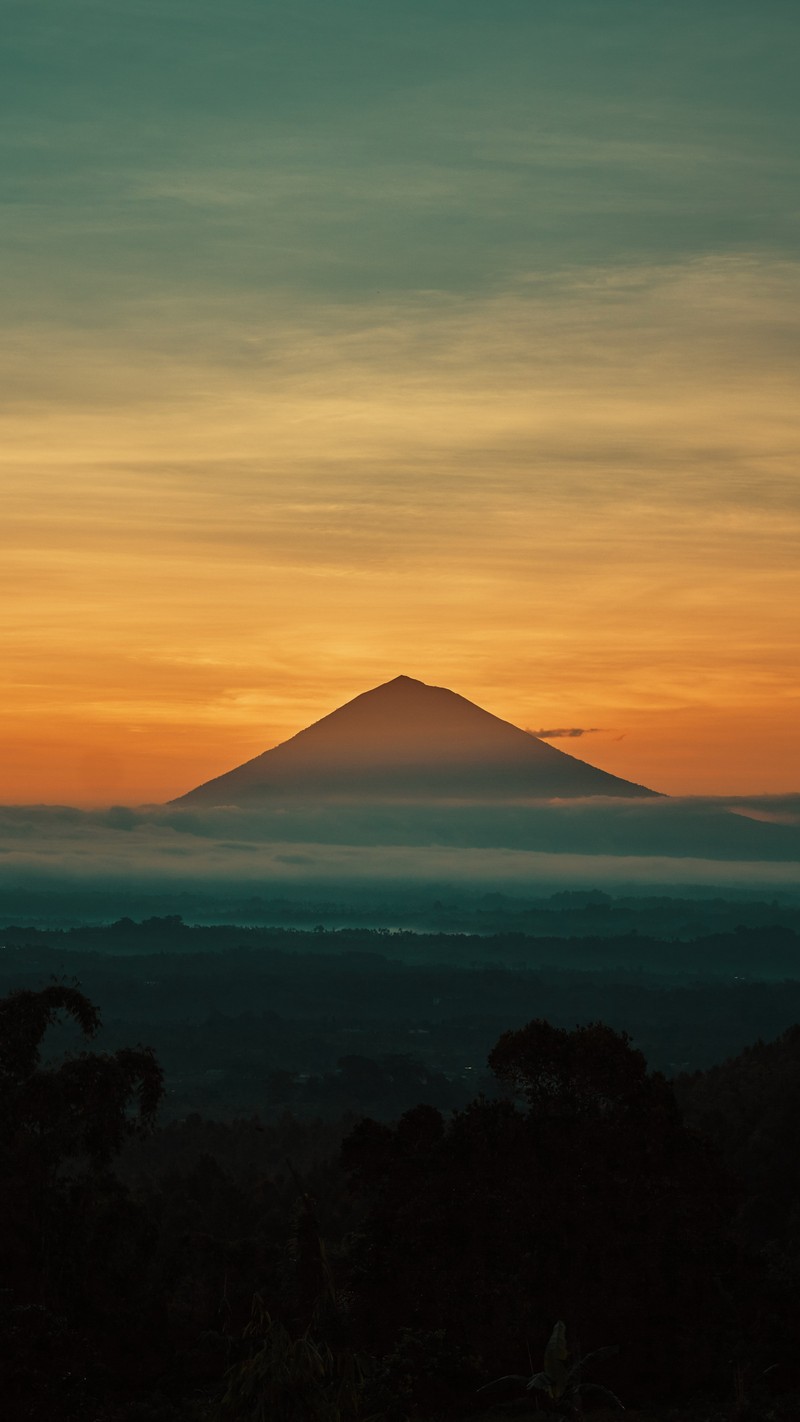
x=409 y=741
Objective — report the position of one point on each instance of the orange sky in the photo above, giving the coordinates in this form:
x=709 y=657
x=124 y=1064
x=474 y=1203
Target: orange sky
x=199 y=566
x=347 y=343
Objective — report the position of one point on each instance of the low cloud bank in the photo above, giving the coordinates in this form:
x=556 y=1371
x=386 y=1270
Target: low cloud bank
x=743 y=842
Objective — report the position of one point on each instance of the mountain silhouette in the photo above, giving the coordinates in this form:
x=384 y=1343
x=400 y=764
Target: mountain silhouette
x=409 y=741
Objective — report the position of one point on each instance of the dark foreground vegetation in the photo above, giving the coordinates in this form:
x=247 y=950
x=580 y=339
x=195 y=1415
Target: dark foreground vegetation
x=394 y=1234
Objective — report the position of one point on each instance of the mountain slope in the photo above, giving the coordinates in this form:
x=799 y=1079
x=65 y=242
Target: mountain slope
x=409 y=741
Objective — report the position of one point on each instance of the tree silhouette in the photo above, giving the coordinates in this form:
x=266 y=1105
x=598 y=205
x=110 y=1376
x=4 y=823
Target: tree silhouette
x=591 y=1072
x=593 y=1203
x=68 y=1230
x=80 y=1110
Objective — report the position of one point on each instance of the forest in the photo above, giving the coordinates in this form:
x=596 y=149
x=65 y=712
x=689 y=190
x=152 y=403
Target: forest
x=334 y=1175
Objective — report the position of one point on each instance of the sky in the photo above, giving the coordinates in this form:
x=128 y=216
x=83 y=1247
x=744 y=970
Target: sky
x=342 y=341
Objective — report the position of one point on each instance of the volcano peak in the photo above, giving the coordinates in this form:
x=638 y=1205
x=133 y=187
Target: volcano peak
x=411 y=741
x=408 y=740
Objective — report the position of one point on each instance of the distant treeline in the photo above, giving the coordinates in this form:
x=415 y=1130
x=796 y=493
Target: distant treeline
x=752 y=939
x=424 y=909
x=327 y=1022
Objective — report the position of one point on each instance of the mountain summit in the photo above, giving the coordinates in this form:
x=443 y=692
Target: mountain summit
x=406 y=740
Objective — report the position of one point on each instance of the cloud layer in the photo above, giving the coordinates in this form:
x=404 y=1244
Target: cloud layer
x=135 y=853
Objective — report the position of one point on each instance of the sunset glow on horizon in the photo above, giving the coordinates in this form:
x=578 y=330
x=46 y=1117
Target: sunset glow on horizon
x=454 y=341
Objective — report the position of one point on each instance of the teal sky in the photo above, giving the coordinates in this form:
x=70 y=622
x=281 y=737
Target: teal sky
x=336 y=150
x=346 y=338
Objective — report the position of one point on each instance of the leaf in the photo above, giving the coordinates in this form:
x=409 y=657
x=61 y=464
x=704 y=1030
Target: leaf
x=601 y=1391
x=509 y=1377
x=596 y=1353
x=542 y=1383
x=555 y=1359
